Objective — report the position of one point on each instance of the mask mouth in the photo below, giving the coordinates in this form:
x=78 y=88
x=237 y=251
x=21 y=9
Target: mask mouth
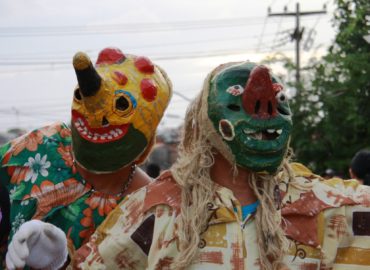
x=106 y=134
x=270 y=134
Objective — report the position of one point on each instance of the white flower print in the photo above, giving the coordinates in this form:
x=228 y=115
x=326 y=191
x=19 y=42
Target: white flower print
x=18 y=221
x=37 y=165
x=11 y=193
x=25 y=202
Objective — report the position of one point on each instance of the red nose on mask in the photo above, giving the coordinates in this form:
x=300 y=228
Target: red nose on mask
x=259 y=94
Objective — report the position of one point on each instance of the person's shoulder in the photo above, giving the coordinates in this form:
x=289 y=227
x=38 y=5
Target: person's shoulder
x=333 y=192
x=163 y=191
x=16 y=151
x=312 y=197
x=158 y=200
x=59 y=129
x=301 y=170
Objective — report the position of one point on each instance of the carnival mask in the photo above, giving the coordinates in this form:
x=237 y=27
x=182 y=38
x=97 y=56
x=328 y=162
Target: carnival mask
x=249 y=110
x=116 y=109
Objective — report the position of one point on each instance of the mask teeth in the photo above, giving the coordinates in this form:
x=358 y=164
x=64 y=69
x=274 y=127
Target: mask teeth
x=248 y=131
x=82 y=129
x=272 y=131
x=260 y=135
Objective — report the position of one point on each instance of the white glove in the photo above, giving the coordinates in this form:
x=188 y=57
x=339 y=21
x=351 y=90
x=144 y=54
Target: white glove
x=39 y=245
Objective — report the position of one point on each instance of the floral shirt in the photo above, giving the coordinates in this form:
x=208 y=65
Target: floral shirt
x=38 y=171
x=325 y=224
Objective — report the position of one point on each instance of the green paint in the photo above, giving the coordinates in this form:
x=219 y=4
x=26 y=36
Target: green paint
x=108 y=157
x=250 y=153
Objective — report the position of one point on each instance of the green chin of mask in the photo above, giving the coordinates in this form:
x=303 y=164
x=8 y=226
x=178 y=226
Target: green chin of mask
x=258 y=140
x=111 y=156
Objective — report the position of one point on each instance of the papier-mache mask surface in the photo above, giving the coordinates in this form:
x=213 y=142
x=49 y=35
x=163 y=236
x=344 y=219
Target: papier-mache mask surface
x=116 y=109
x=249 y=110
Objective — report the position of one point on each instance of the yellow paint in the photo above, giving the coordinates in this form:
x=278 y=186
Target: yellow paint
x=145 y=117
x=310 y=252
x=353 y=255
x=215 y=236
x=80 y=61
x=321 y=227
x=301 y=170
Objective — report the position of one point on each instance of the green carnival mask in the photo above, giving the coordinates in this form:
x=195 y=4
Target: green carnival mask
x=251 y=113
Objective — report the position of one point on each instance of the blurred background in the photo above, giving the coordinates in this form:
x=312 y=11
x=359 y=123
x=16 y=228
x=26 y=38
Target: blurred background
x=319 y=48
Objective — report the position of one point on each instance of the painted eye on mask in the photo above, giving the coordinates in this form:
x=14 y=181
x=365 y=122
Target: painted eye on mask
x=281 y=97
x=235 y=90
x=282 y=100
x=124 y=103
x=77 y=95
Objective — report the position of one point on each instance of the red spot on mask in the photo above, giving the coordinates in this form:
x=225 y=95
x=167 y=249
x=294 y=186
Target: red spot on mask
x=110 y=56
x=259 y=95
x=119 y=77
x=144 y=65
x=148 y=89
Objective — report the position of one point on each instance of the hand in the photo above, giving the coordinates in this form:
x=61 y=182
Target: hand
x=39 y=245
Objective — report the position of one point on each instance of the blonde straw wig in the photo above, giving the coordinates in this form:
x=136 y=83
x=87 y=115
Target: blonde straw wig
x=192 y=172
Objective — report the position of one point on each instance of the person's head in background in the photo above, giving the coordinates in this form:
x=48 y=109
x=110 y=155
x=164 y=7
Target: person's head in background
x=360 y=167
x=329 y=173
x=153 y=170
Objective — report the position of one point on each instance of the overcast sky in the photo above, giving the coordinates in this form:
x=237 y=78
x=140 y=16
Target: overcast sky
x=38 y=39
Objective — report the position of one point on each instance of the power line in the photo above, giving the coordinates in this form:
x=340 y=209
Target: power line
x=127 y=28
x=195 y=54
x=39 y=66
x=133 y=28
x=32 y=56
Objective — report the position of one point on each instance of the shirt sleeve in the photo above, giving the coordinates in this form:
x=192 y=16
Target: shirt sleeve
x=346 y=237
x=129 y=238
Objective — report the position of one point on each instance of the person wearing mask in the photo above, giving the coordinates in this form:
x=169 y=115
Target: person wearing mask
x=233 y=199
x=73 y=177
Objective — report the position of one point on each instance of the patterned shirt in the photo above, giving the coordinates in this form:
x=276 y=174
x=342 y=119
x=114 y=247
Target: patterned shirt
x=38 y=171
x=327 y=224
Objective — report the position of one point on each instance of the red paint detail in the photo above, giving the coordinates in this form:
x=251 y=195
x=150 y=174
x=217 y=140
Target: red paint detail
x=237 y=260
x=144 y=65
x=76 y=116
x=110 y=56
x=277 y=87
x=148 y=89
x=119 y=77
x=163 y=191
x=215 y=257
x=260 y=89
x=301 y=216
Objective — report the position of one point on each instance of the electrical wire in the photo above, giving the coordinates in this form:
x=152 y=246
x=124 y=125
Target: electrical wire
x=127 y=28
x=57 y=55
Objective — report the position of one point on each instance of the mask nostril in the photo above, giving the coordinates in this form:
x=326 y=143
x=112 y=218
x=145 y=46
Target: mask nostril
x=105 y=122
x=257 y=107
x=269 y=108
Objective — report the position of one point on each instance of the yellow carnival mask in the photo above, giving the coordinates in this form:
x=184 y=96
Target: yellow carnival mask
x=116 y=109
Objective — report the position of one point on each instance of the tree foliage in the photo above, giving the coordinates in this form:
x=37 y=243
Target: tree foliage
x=332 y=104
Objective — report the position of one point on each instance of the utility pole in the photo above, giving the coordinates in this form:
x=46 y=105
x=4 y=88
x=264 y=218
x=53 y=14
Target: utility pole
x=298 y=32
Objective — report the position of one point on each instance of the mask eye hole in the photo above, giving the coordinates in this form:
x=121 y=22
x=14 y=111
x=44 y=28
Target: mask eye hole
x=77 y=94
x=122 y=104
